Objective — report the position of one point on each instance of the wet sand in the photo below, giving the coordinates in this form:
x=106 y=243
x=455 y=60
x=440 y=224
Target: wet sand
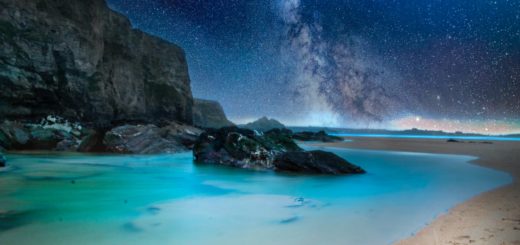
x=489 y=218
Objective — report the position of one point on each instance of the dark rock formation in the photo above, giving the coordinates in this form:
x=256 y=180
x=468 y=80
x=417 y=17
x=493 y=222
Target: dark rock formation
x=242 y=148
x=150 y=139
x=82 y=61
x=316 y=136
x=93 y=141
x=453 y=141
x=275 y=138
x=264 y=124
x=209 y=114
x=135 y=139
x=44 y=136
x=11 y=219
x=64 y=136
x=13 y=135
x=3 y=160
x=273 y=150
x=184 y=134
x=470 y=142
x=321 y=162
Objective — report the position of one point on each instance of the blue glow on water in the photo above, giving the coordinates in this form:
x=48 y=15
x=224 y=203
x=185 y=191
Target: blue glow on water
x=406 y=136
x=166 y=199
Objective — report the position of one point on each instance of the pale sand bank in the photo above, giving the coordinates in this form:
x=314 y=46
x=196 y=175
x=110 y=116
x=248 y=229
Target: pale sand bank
x=490 y=218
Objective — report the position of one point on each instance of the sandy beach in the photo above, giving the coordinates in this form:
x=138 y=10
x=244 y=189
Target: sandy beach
x=489 y=218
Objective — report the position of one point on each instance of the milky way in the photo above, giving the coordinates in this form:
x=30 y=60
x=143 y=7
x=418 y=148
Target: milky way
x=349 y=63
x=334 y=80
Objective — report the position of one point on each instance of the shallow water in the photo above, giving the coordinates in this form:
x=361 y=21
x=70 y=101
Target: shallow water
x=411 y=136
x=89 y=199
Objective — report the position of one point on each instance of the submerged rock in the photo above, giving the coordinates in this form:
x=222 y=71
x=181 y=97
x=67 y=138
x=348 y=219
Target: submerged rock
x=316 y=136
x=273 y=150
x=14 y=219
x=453 y=141
x=321 y=162
x=131 y=227
x=289 y=220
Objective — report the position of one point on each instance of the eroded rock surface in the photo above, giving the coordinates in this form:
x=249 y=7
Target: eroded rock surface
x=46 y=135
x=150 y=139
x=273 y=150
x=82 y=61
x=243 y=148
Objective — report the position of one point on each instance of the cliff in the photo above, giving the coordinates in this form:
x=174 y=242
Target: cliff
x=82 y=61
x=209 y=114
x=264 y=124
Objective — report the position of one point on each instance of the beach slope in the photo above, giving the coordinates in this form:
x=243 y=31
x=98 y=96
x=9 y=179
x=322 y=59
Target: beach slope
x=489 y=218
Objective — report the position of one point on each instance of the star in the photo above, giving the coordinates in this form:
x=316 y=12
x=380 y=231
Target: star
x=358 y=63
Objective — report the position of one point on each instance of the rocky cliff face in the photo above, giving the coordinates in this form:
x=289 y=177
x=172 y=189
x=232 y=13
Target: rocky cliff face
x=80 y=60
x=209 y=114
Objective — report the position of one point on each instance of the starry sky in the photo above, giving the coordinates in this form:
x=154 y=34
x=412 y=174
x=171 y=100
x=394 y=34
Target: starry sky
x=395 y=64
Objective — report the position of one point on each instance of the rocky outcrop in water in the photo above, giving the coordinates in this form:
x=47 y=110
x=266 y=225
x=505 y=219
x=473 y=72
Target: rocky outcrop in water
x=209 y=114
x=50 y=134
x=272 y=150
x=59 y=135
x=150 y=139
x=321 y=136
x=138 y=139
x=264 y=124
x=82 y=61
x=242 y=148
x=321 y=162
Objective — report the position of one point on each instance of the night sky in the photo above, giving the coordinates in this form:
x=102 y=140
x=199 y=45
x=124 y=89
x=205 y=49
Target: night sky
x=431 y=64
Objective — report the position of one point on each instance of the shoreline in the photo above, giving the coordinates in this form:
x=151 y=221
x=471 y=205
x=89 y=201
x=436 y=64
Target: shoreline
x=492 y=217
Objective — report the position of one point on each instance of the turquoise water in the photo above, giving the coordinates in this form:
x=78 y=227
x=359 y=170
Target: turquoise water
x=166 y=199
x=407 y=136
